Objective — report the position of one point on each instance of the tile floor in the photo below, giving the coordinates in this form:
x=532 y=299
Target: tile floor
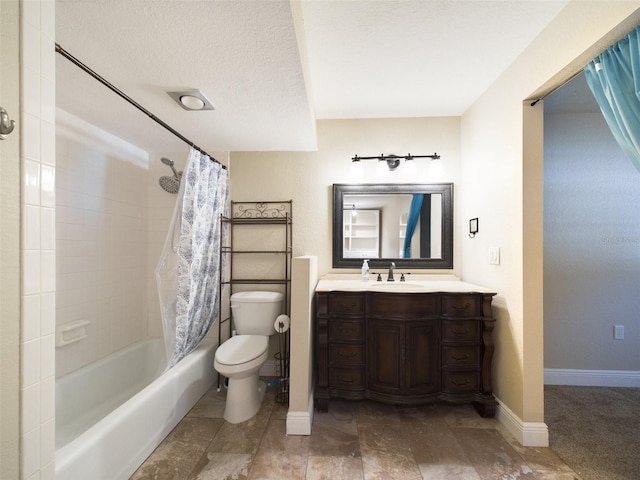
x=353 y=440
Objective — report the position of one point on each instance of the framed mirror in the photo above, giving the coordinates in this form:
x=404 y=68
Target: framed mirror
x=409 y=224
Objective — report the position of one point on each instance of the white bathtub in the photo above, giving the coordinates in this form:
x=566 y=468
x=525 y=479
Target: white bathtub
x=129 y=425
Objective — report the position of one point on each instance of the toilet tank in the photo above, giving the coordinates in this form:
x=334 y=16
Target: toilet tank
x=254 y=313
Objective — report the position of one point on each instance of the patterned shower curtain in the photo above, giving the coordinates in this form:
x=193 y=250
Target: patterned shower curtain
x=188 y=271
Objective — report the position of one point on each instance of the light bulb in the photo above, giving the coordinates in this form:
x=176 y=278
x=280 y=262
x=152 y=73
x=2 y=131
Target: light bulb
x=435 y=169
x=409 y=167
x=356 y=170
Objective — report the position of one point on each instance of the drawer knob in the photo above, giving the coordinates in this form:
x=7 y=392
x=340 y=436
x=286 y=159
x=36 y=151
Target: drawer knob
x=343 y=329
x=347 y=355
x=461 y=307
x=466 y=356
x=460 y=382
x=345 y=380
x=461 y=332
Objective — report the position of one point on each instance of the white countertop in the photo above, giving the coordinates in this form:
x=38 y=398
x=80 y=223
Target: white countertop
x=413 y=284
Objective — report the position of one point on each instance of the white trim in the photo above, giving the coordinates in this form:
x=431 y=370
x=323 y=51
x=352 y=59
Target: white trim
x=529 y=434
x=592 y=378
x=299 y=423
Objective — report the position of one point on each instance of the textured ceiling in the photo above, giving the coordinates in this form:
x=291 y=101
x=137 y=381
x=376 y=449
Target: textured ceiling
x=272 y=67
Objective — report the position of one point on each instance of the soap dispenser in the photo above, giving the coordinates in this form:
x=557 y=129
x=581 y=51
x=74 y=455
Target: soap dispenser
x=365 y=271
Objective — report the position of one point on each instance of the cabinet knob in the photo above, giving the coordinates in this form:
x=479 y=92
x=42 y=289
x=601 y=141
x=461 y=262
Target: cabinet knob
x=460 y=382
x=461 y=307
x=349 y=355
x=345 y=380
x=461 y=332
x=466 y=356
x=351 y=329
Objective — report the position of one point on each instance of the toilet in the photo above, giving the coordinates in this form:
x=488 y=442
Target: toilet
x=240 y=358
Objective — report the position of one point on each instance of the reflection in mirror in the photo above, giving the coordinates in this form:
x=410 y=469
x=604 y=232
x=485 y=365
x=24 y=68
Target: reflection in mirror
x=409 y=224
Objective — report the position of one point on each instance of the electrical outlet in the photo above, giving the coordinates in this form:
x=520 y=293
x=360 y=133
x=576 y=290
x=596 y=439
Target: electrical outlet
x=618 y=332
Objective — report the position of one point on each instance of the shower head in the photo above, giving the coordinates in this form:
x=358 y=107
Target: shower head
x=168 y=162
x=170 y=184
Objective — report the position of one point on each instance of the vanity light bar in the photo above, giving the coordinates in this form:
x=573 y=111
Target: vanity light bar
x=393 y=161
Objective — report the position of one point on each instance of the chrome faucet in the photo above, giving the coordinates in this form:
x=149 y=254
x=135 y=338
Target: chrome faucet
x=390 y=277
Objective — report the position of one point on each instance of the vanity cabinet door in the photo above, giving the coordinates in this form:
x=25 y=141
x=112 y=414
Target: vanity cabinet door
x=423 y=371
x=403 y=357
x=386 y=365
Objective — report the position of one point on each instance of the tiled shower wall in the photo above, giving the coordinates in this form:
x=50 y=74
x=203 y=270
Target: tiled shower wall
x=37 y=133
x=101 y=242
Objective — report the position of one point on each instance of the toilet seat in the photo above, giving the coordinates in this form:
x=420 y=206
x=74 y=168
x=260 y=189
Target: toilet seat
x=241 y=349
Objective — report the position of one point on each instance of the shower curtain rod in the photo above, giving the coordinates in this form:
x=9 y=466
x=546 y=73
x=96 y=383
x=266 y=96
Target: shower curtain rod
x=111 y=87
x=533 y=103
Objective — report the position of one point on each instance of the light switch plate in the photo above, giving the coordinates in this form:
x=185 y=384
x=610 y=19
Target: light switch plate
x=494 y=256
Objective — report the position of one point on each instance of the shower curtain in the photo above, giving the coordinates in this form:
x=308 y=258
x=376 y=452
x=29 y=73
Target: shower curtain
x=188 y=271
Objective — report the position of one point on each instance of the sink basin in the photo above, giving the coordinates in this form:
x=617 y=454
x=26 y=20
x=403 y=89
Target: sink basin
x=396 y=286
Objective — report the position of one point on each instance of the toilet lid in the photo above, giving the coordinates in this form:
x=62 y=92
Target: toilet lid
x=241 y=349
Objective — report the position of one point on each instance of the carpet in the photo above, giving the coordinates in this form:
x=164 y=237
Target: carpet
x=595 y=430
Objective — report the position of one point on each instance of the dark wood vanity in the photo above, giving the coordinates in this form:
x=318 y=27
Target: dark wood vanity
x=404 y=348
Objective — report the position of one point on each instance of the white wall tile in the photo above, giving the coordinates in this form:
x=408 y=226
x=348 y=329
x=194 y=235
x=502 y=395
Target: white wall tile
x=48 y=228
x=47 y=393
x=31 y=182
x=30 y=358
x=30 y=317
x=47 y=352
x=30 y=453
x=31 y=46
x=47 y=442
x=47 y=186
x=31 y=92
x=31 y=137
x=31 y=231
x=30 y=272
x=48 y=141
x=47 y=314
x=48 y=271
x=30 y=411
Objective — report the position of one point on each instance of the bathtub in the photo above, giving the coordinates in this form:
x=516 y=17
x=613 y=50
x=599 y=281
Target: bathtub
x=104 y=429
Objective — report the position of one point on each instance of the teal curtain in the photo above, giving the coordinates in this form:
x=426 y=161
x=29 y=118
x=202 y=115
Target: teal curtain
x=412 y=221
x=614 y=79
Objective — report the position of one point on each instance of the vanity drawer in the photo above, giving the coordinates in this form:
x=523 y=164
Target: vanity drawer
x=460 y=356
x=390 y=305
x=343 y=329
x=346 y=354
x=460 y=331
x=346 y=303
x=346 y=378
x=460 y=382
x=461 y=306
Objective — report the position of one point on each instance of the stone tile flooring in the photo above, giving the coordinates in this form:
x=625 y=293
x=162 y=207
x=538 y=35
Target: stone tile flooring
x=353 y=440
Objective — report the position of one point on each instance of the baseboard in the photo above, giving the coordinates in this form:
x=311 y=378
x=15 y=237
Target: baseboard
x=529 y=434
x=299 y=423
x=592 y=378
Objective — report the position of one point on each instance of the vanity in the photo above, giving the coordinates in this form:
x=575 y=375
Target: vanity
x=405 y=343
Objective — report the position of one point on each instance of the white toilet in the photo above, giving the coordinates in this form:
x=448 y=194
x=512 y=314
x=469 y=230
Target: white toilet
x=240 y=358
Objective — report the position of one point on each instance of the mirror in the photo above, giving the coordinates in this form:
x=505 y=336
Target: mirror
x=409 y=224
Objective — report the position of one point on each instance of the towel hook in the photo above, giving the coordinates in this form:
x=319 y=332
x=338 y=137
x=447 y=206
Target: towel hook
x=6 y=125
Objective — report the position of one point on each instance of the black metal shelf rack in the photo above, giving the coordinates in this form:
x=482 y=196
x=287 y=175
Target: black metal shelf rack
x=235 y=229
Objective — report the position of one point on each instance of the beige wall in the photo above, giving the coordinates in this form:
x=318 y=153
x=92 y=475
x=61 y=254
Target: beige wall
x=307 y=177
x=501 y=144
